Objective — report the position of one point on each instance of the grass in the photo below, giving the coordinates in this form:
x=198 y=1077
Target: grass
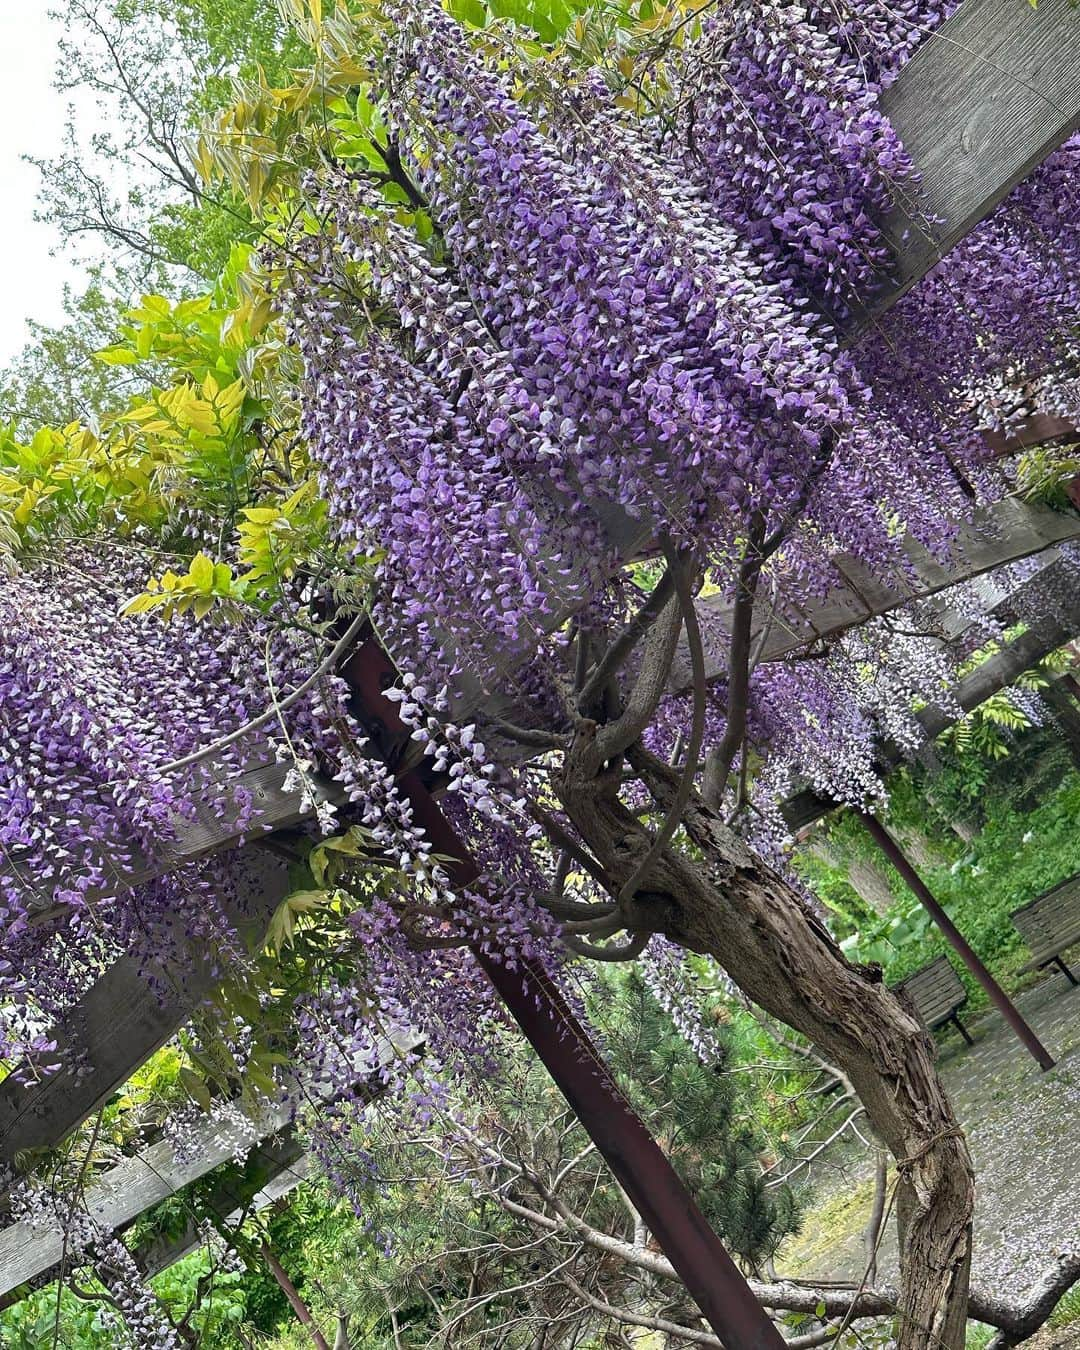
x=842 y=1215
x=1067 y=1312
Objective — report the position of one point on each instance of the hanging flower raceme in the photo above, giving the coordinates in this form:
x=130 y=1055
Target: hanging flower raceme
x=120 y=737
x=585 y=343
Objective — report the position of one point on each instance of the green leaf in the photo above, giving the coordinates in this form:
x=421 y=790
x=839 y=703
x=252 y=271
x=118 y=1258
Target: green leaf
x=196 y=1088
x=471 y=12
x=202 y=573
x=117 y=356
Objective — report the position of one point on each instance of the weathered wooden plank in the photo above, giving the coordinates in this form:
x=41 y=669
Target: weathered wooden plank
x=138 y=1183
x=802 y=808
x=984 y=100
x=213 y=827
x=1002 y=533
x=280 y=1167
x=125 y=1017
x=1038 y=429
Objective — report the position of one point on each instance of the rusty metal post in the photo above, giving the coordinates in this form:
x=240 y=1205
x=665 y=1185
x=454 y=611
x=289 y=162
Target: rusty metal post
x=998 y=997
x=636 y=1160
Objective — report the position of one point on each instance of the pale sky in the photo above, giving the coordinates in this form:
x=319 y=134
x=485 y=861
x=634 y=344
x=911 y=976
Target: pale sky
x=31 y=122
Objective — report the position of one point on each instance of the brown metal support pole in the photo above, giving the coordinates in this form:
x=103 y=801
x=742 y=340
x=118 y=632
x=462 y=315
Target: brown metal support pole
x=665 y=1205
x=299 y=1307
x=957 y=941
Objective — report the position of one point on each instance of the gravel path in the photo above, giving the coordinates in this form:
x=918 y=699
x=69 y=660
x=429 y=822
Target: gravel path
x=1024 y=1130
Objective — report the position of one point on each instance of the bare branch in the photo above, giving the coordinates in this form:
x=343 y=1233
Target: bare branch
x=697 y=732
x=720 y=760
x=559 y=835
x=651 y=684
x=536 y=738
x=1016 y=1322
x=626 y=641
x=629 y=951
x=872 y=1233
x=574 y=911
x=633 y=1319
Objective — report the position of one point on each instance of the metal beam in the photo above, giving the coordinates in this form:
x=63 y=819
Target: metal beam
x=564 y=1047
x=893 y=853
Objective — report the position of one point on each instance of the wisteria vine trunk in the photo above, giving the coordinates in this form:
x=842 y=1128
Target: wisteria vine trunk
x=728 y=904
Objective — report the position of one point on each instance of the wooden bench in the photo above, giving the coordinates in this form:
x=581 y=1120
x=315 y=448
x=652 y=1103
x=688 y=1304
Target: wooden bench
x=938 y=995
x=1050 y=925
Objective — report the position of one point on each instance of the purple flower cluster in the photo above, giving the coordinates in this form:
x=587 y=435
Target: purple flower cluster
x=94 y=711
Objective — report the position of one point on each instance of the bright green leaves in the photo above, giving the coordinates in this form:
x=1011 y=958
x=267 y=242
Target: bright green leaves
x=195 y=1086
x=189 y=415
x=200 y=336
x=326 y=859
x=282 y=931
x=274 y=540
x=358 y=131
x=203 y=587
x=1045 y=472
x=58 y=472
x=186 y=444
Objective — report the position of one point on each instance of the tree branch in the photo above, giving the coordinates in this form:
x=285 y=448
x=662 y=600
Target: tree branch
x=1016 y=1322
x=536 y=738
x=738 y=680
x=626 y=641
x=651 y=685
x=633 y=1319
x=629 y=951
x=697 y=733
x=566 y=841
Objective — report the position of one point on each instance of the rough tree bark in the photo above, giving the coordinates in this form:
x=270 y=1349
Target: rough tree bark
x=728 y=904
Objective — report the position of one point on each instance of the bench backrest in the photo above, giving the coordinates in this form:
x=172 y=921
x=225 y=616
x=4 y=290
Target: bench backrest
x=1050 y=917
x=935 y=989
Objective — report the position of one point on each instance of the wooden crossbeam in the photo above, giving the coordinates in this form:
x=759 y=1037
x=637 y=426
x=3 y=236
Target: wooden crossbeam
x=215 y=824
x=983 y=101
x=279 y=1168
x=125 y=1016
x=802 y=808
x=137 y=1184
x=1038 y=429
x=1003 y=533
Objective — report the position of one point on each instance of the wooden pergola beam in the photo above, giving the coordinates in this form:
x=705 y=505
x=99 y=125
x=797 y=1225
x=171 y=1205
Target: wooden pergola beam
x=125 y=1016
x=273 y=1172
x=1005 y=532
x=138 y=1183
x=1038 y=429
x=983 y=101
x=802 y=808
